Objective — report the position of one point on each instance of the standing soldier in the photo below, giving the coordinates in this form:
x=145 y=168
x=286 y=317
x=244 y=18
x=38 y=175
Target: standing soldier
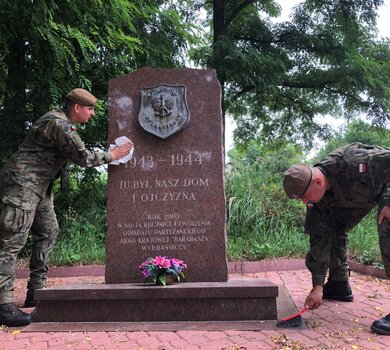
x=27 y=201
x=339 y=192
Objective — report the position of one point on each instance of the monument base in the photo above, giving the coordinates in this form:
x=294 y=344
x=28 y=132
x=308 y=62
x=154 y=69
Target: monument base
x=136 y=302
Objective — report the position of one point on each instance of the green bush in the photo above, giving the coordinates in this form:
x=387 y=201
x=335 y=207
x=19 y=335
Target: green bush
x=262 y=222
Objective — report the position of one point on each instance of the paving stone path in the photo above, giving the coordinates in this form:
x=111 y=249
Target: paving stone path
x=333 y=326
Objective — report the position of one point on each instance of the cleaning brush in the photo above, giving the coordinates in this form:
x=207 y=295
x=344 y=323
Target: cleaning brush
x=292 y=321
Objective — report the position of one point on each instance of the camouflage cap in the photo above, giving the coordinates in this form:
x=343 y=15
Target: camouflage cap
x=297 y=180
x=81 y=97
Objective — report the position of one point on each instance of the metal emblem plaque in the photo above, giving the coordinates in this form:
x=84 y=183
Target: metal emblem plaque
x=163 y=110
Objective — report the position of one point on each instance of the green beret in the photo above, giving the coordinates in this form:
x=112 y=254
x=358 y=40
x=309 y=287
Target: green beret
x=81 y=97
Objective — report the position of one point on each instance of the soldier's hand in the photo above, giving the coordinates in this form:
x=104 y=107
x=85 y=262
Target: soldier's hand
x=122 y=150
x=314 y=299
x=384 y=214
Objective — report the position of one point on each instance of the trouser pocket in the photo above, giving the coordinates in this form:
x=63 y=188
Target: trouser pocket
x=14 y=219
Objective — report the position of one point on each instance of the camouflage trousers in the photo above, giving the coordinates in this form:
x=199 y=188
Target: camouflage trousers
x=384 y=235
x=329 y=242
x=23 y=211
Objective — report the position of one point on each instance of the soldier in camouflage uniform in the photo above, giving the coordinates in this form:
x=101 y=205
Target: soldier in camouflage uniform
x=27 y=201
x=339 y=192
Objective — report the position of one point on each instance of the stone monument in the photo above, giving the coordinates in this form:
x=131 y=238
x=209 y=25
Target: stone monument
x=169 y=199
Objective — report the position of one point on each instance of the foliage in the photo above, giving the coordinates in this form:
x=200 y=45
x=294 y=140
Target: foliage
x=82 y=241
x=48 y=47
x=262 y=222
x=159 y=267
x=277 y=77
x=81 y=212
x=363 y=242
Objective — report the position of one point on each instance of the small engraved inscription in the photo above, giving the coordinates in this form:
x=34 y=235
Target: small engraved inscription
x=158 y=232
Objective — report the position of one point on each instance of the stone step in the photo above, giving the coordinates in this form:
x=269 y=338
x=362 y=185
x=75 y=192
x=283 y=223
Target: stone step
x=137 y=302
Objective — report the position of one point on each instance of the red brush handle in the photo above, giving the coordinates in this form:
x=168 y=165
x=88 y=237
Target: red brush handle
x=288 y=318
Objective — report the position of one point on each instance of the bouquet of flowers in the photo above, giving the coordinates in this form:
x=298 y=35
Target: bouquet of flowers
x=161 y=267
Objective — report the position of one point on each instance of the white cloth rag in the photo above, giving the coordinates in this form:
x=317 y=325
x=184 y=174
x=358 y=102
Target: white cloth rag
x=120 y=141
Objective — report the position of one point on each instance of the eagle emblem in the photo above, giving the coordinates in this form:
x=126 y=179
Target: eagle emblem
x=163 y=110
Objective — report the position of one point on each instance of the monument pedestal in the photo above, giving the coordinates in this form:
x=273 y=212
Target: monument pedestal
x=137 y=302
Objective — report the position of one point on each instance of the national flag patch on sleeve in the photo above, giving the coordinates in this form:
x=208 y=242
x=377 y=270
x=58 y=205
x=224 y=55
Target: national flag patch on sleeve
x=362 y=167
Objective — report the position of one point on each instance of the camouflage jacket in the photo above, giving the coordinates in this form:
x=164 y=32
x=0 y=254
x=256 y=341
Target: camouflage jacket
x=49 y=144
x=359 y=176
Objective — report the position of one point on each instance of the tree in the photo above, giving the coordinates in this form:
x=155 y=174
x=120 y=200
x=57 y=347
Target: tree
x=278 y=77
x=48 y=47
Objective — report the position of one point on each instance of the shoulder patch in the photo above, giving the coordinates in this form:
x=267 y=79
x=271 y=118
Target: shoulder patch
x=75 y=138
x=71 y=135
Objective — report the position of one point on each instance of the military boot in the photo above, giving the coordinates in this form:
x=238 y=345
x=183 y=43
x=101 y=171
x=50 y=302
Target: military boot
x=337 y=291
x=30 y=302
x=382 y=326
x=12 y=316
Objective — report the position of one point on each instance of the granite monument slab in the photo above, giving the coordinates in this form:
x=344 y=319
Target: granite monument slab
x=168 y=200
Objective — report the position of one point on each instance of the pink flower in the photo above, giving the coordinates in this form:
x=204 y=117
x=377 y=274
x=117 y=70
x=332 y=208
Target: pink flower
x=162 y=262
